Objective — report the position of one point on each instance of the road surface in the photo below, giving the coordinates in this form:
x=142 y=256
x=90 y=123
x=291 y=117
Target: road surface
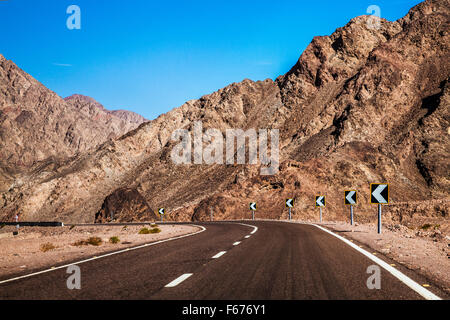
x=228 y=260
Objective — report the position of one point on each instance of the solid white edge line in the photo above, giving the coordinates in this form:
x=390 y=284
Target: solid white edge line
x=236 y=243
x=106 y=255
x=178 y=280
x=221 y=253
x=249 y=225
x=396 y=273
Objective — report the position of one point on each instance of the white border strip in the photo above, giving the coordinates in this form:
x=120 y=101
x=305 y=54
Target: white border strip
x=106 y=255
x=399 y=275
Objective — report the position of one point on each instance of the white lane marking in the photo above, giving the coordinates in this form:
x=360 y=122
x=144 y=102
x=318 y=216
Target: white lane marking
x=246 y=237
x=221 y=253
x=236 y=243
x=105 y=255
x=249 y=225
x=396 y=273
x=179 y=280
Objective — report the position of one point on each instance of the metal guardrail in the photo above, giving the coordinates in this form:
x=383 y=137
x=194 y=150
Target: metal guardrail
x=33 y=224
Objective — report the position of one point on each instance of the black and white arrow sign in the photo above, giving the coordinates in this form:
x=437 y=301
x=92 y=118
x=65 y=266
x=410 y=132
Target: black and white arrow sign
x=253 y=206
x=379 y=193
x=161 y=210
x=350 y=197
x=289 y=203
x=320 y=201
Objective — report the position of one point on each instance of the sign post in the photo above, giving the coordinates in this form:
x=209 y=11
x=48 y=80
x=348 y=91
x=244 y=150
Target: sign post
x=290 y=204
x=161 y=211
x=17 y=221
x=351 y=215
x=379 y=194
x=253 y=209
x=320 y=202
x=211 y=214
x=350 y=199
x=379 y=218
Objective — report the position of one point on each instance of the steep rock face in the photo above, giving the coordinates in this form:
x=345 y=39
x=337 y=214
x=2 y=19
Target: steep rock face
x=35 y=123
x=360 y=106
x=387 y=122
x=125 y=205
x=324 y=69
x=388 y=116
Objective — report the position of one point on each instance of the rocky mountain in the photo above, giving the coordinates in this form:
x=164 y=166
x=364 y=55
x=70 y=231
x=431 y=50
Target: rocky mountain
x=118 y=122
x=361 y=105
x=37 y=126
x=126 y=205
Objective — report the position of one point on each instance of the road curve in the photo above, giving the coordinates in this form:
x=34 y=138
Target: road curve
x=229 y=260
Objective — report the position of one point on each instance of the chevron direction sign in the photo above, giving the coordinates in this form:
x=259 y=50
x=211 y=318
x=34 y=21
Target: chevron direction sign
x=289 y=203
x=320 y=201
x=253 y=206
x=379 y=193
x=161 y=211
x=350 y=197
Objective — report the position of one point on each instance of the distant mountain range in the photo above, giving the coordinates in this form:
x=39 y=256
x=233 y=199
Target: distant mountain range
x=111 y=119
x=36 y=124
x=361 y=105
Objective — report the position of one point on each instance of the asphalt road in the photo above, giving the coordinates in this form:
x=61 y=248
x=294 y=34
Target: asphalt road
x=278 y=261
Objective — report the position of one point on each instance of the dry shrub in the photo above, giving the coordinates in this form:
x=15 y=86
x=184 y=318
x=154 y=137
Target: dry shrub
x=47 y=247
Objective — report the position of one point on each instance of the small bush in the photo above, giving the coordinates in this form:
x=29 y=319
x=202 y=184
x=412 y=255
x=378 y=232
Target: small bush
x=114 y=240
x=426 y=226
x=2 y=226
x=148 y=231
x=124 y=228
x=437 y=226
x=154 y=225
x=47 y=247
x=144 y=231
x=155 y=230
x=80 y=243
x=95 y=241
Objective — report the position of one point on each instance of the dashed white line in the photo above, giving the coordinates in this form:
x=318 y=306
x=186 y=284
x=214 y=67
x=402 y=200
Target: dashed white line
x=246 y=237
x=221 y=253
x=179 y=280
x=236 y=243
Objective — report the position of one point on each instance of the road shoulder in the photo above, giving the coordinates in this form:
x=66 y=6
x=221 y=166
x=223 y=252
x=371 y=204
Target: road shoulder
x=38 y=248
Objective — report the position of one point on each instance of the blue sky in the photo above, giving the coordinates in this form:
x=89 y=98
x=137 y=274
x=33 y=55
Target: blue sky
x=152 y=56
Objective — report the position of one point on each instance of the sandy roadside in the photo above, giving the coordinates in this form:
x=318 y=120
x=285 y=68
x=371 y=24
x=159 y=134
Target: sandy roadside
x=24 y=252
x=418 y=250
